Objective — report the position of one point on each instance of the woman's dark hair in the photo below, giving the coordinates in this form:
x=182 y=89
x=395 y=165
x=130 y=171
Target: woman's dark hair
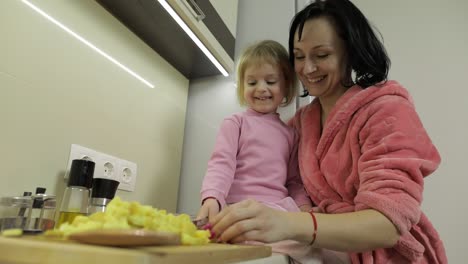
x=366 y=55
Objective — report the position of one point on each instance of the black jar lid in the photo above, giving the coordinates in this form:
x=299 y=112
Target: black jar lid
x=81 y=173
x=104 y=188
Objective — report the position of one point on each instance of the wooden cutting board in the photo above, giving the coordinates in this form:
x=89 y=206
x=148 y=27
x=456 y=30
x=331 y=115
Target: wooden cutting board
x=36 y=250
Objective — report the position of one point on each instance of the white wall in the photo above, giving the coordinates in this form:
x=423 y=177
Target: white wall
x=55 y=91
x=427 y=42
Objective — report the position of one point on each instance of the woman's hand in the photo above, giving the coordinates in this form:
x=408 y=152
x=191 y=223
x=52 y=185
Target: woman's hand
x=209 y=208
x=250 y=220
x=355 y=231
x=306 y=208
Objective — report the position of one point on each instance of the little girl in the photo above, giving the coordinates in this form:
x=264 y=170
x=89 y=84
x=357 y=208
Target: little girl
x=255 y=155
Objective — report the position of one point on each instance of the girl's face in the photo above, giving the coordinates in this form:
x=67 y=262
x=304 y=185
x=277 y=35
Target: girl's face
x=263 y=87
x=319 y=59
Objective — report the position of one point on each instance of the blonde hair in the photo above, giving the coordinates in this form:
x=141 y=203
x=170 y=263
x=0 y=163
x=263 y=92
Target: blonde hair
x=271 y=52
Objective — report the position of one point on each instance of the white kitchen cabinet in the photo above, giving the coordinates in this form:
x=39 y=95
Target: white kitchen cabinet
x=202 y=17
x=150 y=21
x=227 y=10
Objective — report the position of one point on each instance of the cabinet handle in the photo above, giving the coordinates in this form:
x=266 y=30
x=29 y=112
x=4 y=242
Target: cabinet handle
x=194 y=9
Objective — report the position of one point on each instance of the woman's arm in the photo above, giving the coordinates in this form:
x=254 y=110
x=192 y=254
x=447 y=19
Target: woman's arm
x=356 y=231
x=352 y=232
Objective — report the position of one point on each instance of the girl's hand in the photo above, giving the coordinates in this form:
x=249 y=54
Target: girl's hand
x=209 y=208
x=250 y=220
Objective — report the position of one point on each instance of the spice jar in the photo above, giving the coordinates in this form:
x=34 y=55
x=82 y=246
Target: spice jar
x=76 y=196
x=102 y=193
x=31 y=213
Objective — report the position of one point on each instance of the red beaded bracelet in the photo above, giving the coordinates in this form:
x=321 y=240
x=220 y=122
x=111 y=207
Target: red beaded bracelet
x=315 y=227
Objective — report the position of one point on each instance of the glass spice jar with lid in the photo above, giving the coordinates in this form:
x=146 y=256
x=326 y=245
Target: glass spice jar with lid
x=31 y=213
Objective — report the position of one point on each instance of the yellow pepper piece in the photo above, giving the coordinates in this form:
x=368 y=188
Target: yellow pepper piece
x=15 y=232
x=132 y=215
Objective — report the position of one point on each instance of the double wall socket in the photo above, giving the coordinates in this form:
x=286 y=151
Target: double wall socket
x=107 y=166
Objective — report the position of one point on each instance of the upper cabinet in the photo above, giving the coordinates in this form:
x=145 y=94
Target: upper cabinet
x=213 y=22
x=227 y=10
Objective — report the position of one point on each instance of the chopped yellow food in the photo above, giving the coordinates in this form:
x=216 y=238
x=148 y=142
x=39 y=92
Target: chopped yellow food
x=131 y=215
x=15 y=232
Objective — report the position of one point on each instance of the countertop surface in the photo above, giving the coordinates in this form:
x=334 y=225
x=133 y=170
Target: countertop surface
x=275 y=258
x=30 y=249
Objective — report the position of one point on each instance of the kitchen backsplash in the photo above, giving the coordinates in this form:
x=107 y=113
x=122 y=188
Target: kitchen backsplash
x=57 y=91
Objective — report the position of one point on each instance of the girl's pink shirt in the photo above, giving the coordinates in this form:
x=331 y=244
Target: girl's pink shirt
x=255 y=156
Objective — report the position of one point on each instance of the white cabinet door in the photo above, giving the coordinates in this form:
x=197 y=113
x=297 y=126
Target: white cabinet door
x=227 y=10
x=191 y=17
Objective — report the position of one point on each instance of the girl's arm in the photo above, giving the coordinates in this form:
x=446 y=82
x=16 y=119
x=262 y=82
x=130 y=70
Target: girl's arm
x=222 y=164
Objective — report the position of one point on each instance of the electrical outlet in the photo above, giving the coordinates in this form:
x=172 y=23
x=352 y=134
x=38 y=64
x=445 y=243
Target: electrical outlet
x=80 y=152
x=106 y=166
x=127 y=175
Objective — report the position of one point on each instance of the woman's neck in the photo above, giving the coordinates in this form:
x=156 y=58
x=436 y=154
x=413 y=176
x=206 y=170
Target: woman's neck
x=327 y=103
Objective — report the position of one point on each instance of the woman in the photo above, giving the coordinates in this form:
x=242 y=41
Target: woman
x=363 y=151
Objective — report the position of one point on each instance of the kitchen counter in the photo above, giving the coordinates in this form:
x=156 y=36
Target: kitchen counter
x=30 y=249
x=275 y=258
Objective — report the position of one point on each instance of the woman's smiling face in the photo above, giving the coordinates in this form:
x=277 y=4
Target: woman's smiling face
x=319 y=59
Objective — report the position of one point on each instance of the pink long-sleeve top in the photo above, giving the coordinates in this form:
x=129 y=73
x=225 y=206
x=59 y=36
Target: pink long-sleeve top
x=372 y=153
x=255 y=156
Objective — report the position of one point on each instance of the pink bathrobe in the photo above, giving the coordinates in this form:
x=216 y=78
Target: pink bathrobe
x=373 y=153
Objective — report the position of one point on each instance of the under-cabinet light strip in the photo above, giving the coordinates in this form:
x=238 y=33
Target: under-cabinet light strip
x=87 y=43
x=193 y=36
